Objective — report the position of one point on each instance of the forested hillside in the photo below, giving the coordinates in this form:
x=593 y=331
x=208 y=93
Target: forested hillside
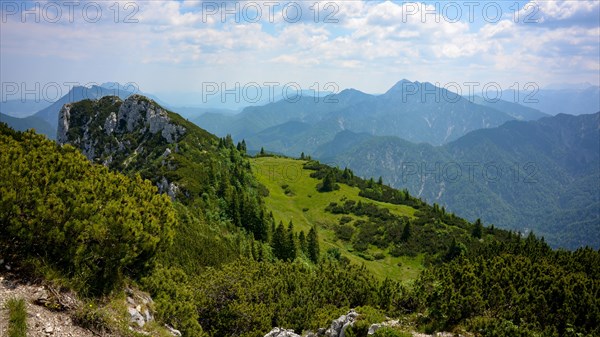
x=539 y=175
x=234 y=246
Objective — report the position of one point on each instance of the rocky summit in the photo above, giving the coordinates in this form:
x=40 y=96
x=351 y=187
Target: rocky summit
x=134 y=115
x=122 y=133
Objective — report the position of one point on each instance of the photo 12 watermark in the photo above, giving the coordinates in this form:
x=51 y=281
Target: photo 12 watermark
x=53 y=91
x=450 y=172
x=470 y=11
x=60 y=12
x=269 y=11
x=268 y=92
x=453 y=92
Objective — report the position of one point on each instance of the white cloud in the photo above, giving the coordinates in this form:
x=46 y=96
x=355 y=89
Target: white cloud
x=385 y=39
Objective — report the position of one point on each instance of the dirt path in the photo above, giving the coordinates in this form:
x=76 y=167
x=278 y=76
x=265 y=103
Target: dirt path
x=41 y=322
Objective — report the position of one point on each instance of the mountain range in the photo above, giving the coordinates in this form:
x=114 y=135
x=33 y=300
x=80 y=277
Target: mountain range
x=29 y=122
x=418 y=112
x=540 y=176
x=377 y=135
x=567 y=99
x=21 y=108
x=419 y=123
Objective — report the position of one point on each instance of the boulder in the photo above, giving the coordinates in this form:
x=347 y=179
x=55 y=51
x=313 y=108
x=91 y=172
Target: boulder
x=338 y=327
x=373 y=328
x=279 y=332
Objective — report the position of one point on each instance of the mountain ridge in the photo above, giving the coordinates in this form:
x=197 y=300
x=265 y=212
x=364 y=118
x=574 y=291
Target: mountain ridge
x=407 y=109
x=532 y=168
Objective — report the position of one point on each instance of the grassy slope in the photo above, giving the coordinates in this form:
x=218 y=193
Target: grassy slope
x=275 y=172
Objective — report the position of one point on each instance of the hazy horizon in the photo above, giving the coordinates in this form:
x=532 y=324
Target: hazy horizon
x=179 y=46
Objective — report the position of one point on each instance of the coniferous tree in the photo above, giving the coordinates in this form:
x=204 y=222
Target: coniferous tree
x=272 y=227
x=236 y=216
x=229 y=142
x=259 y=227
x=478 y=229
x=455 y=250
x=328 y=183
x=253 y=250
x=313 y=245
x=406 y=232
x=380 y=181
x=302 y=242
x=346 y=174
x=262 y=151
x=291 y=251
x=279 y=242
x=302 y=156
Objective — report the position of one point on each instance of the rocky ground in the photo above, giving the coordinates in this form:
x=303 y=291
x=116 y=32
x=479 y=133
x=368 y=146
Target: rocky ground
x=44 y=322
x=338 y=329
x=41 y=321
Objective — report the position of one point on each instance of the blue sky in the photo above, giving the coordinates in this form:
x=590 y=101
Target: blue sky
x=172 y=48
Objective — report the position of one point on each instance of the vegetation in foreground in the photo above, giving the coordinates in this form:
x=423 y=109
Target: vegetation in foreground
x=478 y=279
x=17 y=317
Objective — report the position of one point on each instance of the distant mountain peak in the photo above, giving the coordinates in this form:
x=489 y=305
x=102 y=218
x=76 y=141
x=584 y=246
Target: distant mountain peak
x=400 y=85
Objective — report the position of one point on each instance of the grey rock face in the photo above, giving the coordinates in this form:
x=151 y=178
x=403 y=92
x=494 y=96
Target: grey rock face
x=170 y=188
x=138 y=306
x=124 y=135
x=373 y=328
x=173 y=331
x=111 y=123
x=136 y=317
x=137 y=112
x=64 y=116
x=338 y=327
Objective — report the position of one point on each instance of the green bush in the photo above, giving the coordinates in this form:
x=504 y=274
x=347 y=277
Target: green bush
x=367 y=317
x=93 y=225
x=391 y=332
x=174 y=299
x=248 y=298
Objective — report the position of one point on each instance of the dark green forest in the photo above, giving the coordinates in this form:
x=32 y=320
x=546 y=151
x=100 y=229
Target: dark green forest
x=217 y=262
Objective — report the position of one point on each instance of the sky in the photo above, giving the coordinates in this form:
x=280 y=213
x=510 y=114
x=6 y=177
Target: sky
x=178 y=49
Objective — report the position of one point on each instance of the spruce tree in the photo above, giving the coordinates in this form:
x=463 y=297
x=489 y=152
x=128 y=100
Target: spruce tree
x=478 y=229
x=346 y=174
x=290 y=242
x=406 y=232
x=328 y=183
x=313 y=245
x=302 y=242
x=278 y=242
x=229 y=141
